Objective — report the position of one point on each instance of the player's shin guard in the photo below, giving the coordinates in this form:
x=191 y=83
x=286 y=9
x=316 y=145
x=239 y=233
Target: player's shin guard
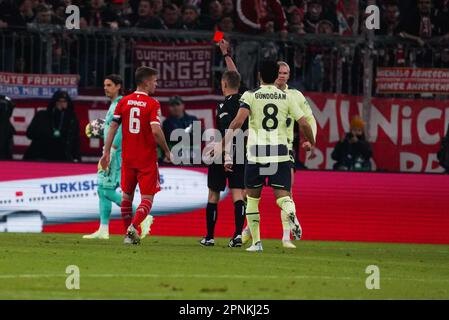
x=211 y=219
x=239 y=215
x=289 y=211
x=127 y=212
x=285 y=224
x=253 y=218
x=142 y=212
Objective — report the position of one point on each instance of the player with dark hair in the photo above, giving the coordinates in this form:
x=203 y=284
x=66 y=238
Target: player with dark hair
x=217 y=177
x=141 y=130
x=281 y=83
x=268 y=109
x=109 y=180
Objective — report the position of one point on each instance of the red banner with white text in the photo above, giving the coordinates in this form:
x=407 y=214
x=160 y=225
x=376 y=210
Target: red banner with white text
x=412 y=80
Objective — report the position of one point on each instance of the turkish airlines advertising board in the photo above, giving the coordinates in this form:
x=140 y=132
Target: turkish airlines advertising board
x=377 y=207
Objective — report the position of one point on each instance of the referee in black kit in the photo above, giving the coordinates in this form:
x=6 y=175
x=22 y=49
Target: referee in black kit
x=217 y=177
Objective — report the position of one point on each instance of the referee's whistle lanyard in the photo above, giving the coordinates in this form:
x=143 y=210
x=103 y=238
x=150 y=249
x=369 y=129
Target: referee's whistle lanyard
x=57 y=132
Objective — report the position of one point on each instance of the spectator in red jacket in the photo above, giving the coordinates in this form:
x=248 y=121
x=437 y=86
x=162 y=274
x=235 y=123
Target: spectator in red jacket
x=253 y=15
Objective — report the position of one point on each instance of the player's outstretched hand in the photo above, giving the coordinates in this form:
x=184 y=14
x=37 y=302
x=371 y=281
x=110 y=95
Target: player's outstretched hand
x=104 y=161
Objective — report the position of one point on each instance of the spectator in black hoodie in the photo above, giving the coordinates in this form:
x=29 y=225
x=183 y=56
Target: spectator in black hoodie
x=443 y=153
x=54 y=132
x=17 y=14
x=6 y=129
x=353 y=153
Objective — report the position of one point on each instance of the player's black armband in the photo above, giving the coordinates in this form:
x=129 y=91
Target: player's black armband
x=244 y=105
x=117 y=120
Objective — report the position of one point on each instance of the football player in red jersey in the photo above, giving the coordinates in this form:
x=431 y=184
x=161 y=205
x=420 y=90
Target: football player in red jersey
x=139 y=115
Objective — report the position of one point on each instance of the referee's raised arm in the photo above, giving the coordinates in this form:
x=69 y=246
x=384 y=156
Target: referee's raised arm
x=224 y=47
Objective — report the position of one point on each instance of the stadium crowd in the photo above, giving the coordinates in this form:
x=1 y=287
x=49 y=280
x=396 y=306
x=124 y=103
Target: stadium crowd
x=420 y=19
x=315 y=66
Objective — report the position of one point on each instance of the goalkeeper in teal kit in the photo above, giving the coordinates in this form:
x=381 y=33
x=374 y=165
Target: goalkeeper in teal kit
x=109 y=180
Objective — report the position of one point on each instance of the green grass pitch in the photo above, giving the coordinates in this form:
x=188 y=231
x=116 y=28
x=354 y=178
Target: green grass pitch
x=32 y=266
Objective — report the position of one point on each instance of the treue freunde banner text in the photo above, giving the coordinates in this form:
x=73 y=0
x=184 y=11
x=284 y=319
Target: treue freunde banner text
x=25 y=85
x=405 y=135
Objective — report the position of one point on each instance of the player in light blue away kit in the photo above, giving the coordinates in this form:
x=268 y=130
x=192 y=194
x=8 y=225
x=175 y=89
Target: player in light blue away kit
x=109 y=180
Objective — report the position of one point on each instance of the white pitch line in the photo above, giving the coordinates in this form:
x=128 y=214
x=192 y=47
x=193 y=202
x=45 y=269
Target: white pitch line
x=357 y=260
x=209 y=276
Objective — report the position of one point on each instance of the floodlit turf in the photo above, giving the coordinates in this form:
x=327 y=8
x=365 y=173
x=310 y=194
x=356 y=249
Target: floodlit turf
x=32 y=266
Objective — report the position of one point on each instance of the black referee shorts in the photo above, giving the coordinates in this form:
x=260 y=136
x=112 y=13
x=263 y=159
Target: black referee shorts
x=217 y=176
x=292 y=160
x=280 y=179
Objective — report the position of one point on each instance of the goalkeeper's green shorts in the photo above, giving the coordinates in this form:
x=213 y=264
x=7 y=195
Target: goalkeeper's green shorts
x=110 y=179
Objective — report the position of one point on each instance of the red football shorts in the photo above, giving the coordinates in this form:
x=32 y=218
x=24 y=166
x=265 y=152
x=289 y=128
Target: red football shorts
x=147 y=178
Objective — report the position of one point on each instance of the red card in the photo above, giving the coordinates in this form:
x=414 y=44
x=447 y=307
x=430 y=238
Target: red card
x=218 y=36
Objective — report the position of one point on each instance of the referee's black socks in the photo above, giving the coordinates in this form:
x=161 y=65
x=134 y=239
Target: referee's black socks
x=239 y=214
x=211 y=219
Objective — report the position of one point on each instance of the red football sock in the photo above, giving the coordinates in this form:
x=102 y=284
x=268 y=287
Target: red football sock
x=126 y=208
x=142 y=212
